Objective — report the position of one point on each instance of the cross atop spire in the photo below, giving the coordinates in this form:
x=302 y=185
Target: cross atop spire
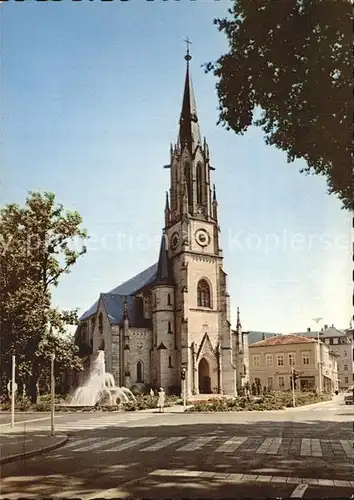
x=188 y=57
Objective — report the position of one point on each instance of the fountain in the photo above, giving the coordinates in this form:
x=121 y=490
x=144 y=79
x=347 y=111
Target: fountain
x=97 y=385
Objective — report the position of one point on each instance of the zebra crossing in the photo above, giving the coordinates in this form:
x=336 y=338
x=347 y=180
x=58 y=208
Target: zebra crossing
x=303 y=447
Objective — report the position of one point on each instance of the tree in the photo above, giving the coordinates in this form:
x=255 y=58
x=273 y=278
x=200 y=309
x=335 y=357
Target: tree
x=40 y=242
x=288 y=71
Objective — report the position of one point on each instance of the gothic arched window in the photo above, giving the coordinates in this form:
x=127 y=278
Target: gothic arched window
x=139 y=372
x=199 y=184
x=203 y=294
x=100 y=322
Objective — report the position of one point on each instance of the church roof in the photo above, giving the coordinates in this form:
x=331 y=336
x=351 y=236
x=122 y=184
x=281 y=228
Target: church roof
x=114 y=305
x=114 y=300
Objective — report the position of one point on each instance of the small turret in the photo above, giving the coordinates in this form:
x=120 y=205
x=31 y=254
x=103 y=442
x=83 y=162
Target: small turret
x=167 y=211
x=214 y=205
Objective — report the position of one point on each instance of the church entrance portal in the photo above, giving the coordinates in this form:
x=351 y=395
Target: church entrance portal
x=204 y=377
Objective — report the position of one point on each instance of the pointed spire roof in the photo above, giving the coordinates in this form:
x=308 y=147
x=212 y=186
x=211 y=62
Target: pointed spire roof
x=164 y=275
x=189 y=132
x=238 y=324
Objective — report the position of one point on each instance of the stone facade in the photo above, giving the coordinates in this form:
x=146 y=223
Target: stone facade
x=175 y=315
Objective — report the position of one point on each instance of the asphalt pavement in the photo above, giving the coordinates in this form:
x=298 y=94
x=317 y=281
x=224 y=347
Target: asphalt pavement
x=300 y=453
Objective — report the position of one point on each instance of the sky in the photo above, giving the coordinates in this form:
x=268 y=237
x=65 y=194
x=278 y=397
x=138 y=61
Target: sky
x=90 y=97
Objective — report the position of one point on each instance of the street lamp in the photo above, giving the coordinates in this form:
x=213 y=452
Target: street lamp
x=317 y=320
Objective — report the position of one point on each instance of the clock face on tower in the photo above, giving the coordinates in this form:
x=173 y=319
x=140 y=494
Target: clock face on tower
x=202 y=237
x=174 y=241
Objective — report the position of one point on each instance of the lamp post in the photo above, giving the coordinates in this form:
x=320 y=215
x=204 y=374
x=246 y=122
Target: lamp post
x=319 y=362
x=13 y=390
x=293 y=385
x=52 y=392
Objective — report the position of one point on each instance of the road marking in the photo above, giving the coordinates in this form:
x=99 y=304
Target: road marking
x=316 y=450
x=231 y=445
x=302 y=483
x=106 y=443
x=347 y=447
x=116 y=492
x=305 y=450
x=299 y=490
x=162 y=444
x=82 y=440
x=131 y=444
x=197 y=443
x=264 y=446
x=274 y=447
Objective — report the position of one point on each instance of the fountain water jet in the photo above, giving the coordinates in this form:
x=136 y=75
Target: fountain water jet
x=98 y=384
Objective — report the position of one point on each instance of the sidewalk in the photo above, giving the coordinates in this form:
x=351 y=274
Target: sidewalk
x=16 y=445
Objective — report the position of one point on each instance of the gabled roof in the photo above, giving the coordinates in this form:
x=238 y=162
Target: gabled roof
x=284 y=340
x=254 y=337
x=125 y=289
x=139 y=281
x=114 y=305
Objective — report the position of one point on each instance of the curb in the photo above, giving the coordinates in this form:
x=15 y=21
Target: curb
x=38 y=451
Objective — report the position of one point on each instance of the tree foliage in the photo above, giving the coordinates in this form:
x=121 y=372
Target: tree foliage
x=39 y=243
x=292 y=60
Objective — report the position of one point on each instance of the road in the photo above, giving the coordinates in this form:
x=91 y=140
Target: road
x=300 y=453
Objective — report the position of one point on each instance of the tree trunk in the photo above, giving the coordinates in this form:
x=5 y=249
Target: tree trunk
x=32 y=389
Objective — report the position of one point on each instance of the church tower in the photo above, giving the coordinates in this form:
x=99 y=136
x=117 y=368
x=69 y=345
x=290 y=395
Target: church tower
x=202 y=330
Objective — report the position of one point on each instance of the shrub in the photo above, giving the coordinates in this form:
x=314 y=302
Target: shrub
x=273 y=401
x=23 y=404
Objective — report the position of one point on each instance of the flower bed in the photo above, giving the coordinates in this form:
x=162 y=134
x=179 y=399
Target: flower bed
x=274 y=401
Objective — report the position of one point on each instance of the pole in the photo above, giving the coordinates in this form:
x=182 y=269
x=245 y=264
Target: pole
x=52 y=391
x=319 y=364
x=293 y=385
x=13 y=391
x=184 y=394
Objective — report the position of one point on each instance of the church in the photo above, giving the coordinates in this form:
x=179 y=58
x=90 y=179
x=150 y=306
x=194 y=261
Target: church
x=169 y=326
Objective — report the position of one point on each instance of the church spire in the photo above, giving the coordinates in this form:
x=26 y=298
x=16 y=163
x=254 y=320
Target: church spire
x=189 y=133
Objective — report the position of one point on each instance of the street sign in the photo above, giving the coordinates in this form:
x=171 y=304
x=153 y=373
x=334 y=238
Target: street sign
x=9 y=386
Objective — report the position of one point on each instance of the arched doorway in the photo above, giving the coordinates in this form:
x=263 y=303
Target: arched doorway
x=204 y=377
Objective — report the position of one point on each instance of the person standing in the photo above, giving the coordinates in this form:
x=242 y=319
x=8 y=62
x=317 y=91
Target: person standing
x=161 y=400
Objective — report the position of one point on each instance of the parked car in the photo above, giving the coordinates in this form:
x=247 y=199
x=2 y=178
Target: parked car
x=348 y=396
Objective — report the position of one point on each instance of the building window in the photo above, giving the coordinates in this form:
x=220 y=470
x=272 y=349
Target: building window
x=100 y=322
x=169 y=299
x=139 y=372
x=335 y=341
x=203 y=294
x=305 y=358
x=170 y=362
x=346 y=380
x=169 y=327
x=199 y=184
x=270 y=382
x=345 y=368
x=280 y=360
x=101 y=345
x=345 y=354
x=269 y=360
x=291 y=358
x=281 y=382
x=327 y=341
x=256 y=360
